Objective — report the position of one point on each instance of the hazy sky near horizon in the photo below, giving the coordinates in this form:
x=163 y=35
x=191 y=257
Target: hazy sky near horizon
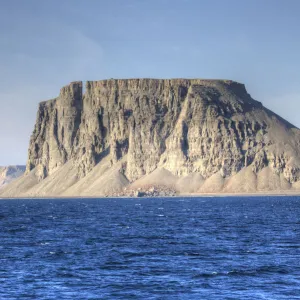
x=46 y=44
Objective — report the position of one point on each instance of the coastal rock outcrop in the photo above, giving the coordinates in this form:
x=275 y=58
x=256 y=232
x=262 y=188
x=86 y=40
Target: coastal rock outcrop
x=194 y=135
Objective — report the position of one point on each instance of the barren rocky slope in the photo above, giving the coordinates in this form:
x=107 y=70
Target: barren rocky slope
x=191 y=136
x=9 y=174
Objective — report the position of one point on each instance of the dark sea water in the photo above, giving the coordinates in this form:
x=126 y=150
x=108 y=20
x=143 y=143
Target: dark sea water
x=188 y=248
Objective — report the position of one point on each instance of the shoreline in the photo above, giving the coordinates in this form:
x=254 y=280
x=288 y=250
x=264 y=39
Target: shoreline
x=206 y=195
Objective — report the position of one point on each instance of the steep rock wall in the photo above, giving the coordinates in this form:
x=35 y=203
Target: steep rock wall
x=184 y=126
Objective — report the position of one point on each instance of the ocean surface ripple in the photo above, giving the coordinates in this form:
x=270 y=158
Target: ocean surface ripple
x=180 y=248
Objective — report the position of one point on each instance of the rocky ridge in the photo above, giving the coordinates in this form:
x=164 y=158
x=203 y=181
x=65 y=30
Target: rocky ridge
x=190 y=135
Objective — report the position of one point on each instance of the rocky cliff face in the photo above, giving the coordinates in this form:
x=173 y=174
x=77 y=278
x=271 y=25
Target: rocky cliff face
x=58 y=121
x=210 y=128
x=9 y=174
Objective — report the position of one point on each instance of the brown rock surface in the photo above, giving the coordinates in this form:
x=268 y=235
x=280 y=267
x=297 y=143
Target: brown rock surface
x=196 y=136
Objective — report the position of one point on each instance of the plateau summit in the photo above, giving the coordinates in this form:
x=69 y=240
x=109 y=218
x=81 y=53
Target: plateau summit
x=179 y=136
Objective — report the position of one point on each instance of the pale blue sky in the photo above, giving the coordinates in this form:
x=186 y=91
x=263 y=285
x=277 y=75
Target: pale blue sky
x=46 y=44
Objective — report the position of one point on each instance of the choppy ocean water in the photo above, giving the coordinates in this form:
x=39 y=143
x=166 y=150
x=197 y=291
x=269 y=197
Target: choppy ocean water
x=180 y=248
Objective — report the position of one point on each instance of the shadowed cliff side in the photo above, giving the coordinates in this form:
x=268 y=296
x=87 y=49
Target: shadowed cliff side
x=210 y=132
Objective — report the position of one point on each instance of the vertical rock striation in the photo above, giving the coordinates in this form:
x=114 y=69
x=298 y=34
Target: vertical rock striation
x=52 y=142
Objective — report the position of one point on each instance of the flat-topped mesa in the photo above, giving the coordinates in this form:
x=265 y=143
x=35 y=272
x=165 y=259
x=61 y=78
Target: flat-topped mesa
x=149 y=83
x=162 y=87
x=182 y=125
